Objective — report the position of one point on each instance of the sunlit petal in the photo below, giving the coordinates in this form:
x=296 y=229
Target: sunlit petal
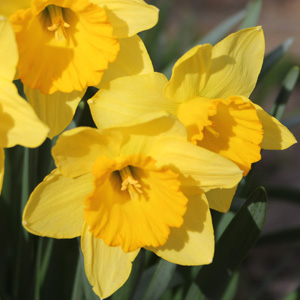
x=8 y=50
x=276 y=135
x=55 y=110
x=57 y=214
x=236 y=63
x=137 y=95
x=107 y=268
x=200 y=168
x=18 y=123
x=129 y=17
x=132 y=59
x=193 y=242
x=77 y=150
x=190 y=74
x=220 y=199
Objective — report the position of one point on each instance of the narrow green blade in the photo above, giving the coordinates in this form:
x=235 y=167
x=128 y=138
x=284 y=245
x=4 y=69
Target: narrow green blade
x=252 y=14
x=224 y=28
x=194 y=293
x=127 y=290
x=229 y=293
x=273 y=57
x=233 y=246
x=160 y=280
x=287 y=87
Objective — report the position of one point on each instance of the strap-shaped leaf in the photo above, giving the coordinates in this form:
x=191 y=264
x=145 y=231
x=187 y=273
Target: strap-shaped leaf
x=287 y=87
x=222 y=29
x=194 y=293
x=127 y=291
x=160 y=280
x=273 y=57
x=252 y=14
x=233 y=246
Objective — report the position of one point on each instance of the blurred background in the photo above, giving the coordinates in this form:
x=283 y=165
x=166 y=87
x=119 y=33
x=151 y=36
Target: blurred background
x=272 y=269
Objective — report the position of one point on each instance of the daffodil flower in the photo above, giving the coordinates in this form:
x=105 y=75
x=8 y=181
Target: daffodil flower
x=126 y=188
x=208 y=92
x=18 y=122
x=66 y=46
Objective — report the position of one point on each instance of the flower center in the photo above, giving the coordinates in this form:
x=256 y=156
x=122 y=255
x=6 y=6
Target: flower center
x=58 y=23
x=129 y=183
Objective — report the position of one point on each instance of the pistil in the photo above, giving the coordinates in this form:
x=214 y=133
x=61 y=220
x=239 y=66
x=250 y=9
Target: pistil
x=129 y=183
x=212 y=131
x=58 y=23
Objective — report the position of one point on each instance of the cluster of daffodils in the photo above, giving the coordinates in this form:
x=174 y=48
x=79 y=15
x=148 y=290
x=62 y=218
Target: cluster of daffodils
x=164 y=153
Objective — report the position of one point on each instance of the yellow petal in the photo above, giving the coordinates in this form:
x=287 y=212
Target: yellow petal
x=236 y=63
x=2 y=158
x=56 y=110
x=8 y=50
x=276 y=135
x=134 y=203
x=195 y=115
x=129 y=17
x=76 y=150
x=7 y=8
x=190 y=74
x=18 y=121
x=193 y=242
x=200 y=169
x=143 y=137
x=220 y=199
x=55 y=54
x=137 y=95
x=107 y=268
x=55 y=207
x=132 y=59
x=235 y=133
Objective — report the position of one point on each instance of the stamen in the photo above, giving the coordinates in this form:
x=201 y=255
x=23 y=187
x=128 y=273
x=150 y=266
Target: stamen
x=212 y=131
x=128 y=182
x=58 y=23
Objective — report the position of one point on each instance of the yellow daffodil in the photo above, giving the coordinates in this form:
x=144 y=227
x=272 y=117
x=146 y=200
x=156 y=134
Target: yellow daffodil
x=66 y=46
x=126 y=188
x=208 y=92
x=18 y=122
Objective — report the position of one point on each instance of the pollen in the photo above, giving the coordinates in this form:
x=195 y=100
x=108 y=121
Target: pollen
x=58 y=23
x=129 y=183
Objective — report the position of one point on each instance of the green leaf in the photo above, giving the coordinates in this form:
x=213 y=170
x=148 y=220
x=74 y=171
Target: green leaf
x=127 y=290
x=237 y=240
x=160 y=280
x=287 y=87
x=231 y=289
x=252 y=14
x=221 y=30
x=194 y=293
x=272 y=58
